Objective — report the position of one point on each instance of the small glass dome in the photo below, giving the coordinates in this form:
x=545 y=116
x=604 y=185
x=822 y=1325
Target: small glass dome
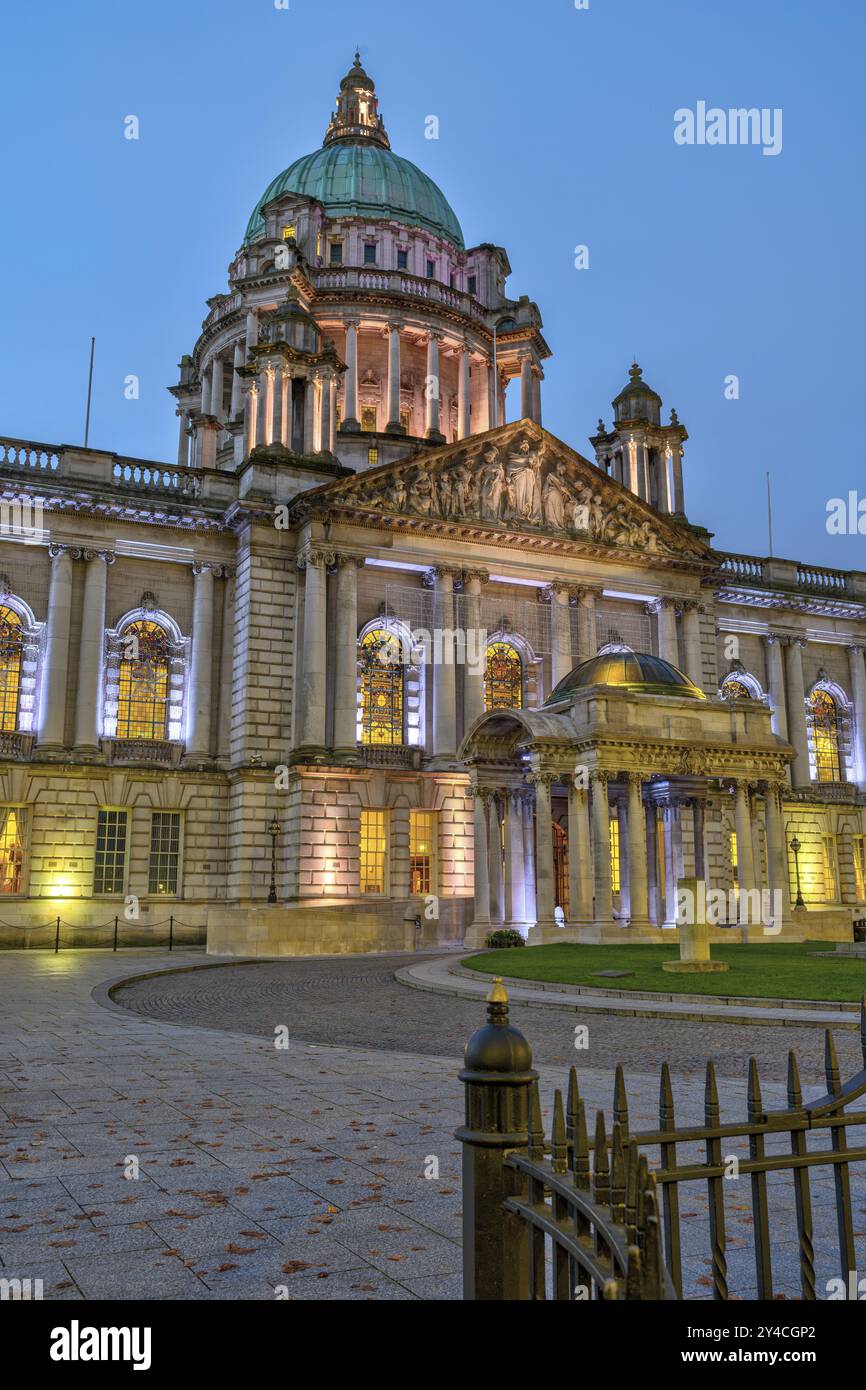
x=637 y=672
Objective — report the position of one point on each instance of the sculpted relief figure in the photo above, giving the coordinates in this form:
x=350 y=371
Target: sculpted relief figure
x=494 y=487
x=461 y=490
x=524 y=483
x=422 y=496
x=556 y=496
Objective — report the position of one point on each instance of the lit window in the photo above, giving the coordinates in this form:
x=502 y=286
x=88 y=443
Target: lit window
x=472 y=284
x=372 y=456
x=732 y=849
x=431 y=270
x=336 y=251
x=503 y=677
x=422 y=851
x=831 y=868
x=369 y=253
x=560 y=866
x=860 y=865
x=614 y=854
x=381 y=657
x=164 y=852
x=824 y=719
x=405 y=419
x=289 y=232
x=402 y=260
x=368 y=418
x=11 y=643
x=374 y=851
x=319 y=245
x=110 y=864
x=733 y=689
x=12 y=827
x=142 y=705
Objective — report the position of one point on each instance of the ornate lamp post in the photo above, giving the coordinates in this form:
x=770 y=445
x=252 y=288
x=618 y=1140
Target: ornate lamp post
x=796 y=847
x=273 y=831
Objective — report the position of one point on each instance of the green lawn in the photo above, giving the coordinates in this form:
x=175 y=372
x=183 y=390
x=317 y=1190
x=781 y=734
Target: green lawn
x=778 y=970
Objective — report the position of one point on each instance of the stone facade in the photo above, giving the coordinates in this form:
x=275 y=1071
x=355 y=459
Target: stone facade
x=344 y=477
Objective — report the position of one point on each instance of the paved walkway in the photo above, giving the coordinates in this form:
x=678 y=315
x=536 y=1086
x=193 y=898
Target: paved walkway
x=263 y=1169
x=441 y=977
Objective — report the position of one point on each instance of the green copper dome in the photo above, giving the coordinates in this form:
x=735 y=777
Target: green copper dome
x=637 y=672
x=363 y=180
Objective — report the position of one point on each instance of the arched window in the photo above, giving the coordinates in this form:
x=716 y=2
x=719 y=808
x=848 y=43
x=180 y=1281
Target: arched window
x=733 y=689
x=503 y=677
x=142 y=703
x=11 y=648
x=382 y=672
x=824 y=721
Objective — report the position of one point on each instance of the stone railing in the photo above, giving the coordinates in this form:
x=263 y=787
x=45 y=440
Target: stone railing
x=743 y=567
x=161 y=752
x=786 y=576
x=819 y=580
x=16 y=745
x=146 y=477
x=390 y=755
x=97 y=467
x=25 y=454
x=397 y=282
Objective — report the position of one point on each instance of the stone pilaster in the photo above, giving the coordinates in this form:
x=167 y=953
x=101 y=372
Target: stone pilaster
x=346 y=655
x=90 y=651
x=796 y=704
x=55 y=660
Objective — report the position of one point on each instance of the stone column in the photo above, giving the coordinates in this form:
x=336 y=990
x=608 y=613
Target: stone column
x=227 y=662
x=463 y=428
x=324 y=414
x=526 y=387
x=492 y=399
x=350 y=419
x=433 y=389
x=182 y=438
x=311 y=701
x=252 y=329
x=475 y=649
x=481 y=915
x=332 y=442
x=777 y=854
x=579 y=857
x=603 y=910
x=637 y=856
x=200 y=697
x=536 y=395
x=796 y=702
x=268 y=374
x=529 y=857
x=55 y=657
x=309 y=415
x=393 y=425
x=444 y=670
x=560 y=624
x=776 y=684
x=216 y=389
x=494 y=860
x=652 y=860
x=666 y=614
x=91 y=650
x=673 y=859
x=208 y=431
x=743 y=826
x=515 y=902
x=677 y=461
x=692 y=611
x=205 y=392
x=545 y=875
x=346 y=655
x=587 y=626
x=237 y=382
x=278 y=418
x=621 y=805
x=251 y=413
x=698 y=824
x=858 y=697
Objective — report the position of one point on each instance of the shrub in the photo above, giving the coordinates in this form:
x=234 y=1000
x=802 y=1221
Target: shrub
x=499 y=940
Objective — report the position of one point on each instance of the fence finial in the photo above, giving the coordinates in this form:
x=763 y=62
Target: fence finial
x=498 y=994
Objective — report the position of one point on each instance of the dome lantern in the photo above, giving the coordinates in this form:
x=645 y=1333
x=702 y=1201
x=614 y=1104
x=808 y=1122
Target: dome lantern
x=356 y=119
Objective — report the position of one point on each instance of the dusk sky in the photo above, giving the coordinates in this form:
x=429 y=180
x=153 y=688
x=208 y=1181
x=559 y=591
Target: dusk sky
x=556 y=129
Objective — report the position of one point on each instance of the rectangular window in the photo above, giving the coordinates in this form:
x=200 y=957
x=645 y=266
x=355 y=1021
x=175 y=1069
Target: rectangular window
x=732 y=845
x=423 y=826
x=614 y=854
x=109 y=867
x=162 y=874
x=13 y=823
x=372 y=456
x=472 y=285
x=374 y=851
x=369 y=253
x=289 y=232
x=402 y=260
x=318 y=245
x=368 y=418
x=336 y=252
x=860 y=865
x=431 y=270
x=831 y=869
x=405 y=420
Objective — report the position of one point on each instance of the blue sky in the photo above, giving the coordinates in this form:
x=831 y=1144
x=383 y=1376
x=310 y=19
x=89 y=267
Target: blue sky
x=556 y=129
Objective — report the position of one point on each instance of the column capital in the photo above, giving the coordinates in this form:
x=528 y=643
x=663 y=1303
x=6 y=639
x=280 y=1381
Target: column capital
x=479 y=576
x=600 y=776
x=437 y=573
x=656 y=605
x=351 y=323
x=208 y=567
x=635 y=779
x=856 y=648
x=108 y=556
x=434 y=335
x=558 y=590
x=315 y=556
x=56 y=549
x=542 y=778
x=692 y=605
x=790 y=639
x=345 y=559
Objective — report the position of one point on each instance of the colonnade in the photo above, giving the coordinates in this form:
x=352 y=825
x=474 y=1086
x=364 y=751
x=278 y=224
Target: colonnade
x=54 y=679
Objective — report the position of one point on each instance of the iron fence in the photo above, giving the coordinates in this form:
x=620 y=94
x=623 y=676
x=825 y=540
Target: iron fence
x=57 y=934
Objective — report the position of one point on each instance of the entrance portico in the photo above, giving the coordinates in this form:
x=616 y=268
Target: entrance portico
x=625 y=768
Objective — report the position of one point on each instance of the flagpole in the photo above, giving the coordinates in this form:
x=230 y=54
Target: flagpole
x=769 y=514
x=89 y=392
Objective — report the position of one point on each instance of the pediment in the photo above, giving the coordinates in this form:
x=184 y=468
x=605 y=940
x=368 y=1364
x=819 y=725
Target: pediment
x=518 y=481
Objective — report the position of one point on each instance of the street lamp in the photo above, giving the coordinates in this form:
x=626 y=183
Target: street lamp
x=273 y=831
x=796 y=847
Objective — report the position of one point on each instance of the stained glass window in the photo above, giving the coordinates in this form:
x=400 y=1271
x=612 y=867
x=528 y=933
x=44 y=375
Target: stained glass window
x=503 y=677
x=368 y=418
x=732 y=689
x=825 y=736
x=614 y=854
x=12 y=823
x=381 y=687
x=11 y=641
x=142 y=706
